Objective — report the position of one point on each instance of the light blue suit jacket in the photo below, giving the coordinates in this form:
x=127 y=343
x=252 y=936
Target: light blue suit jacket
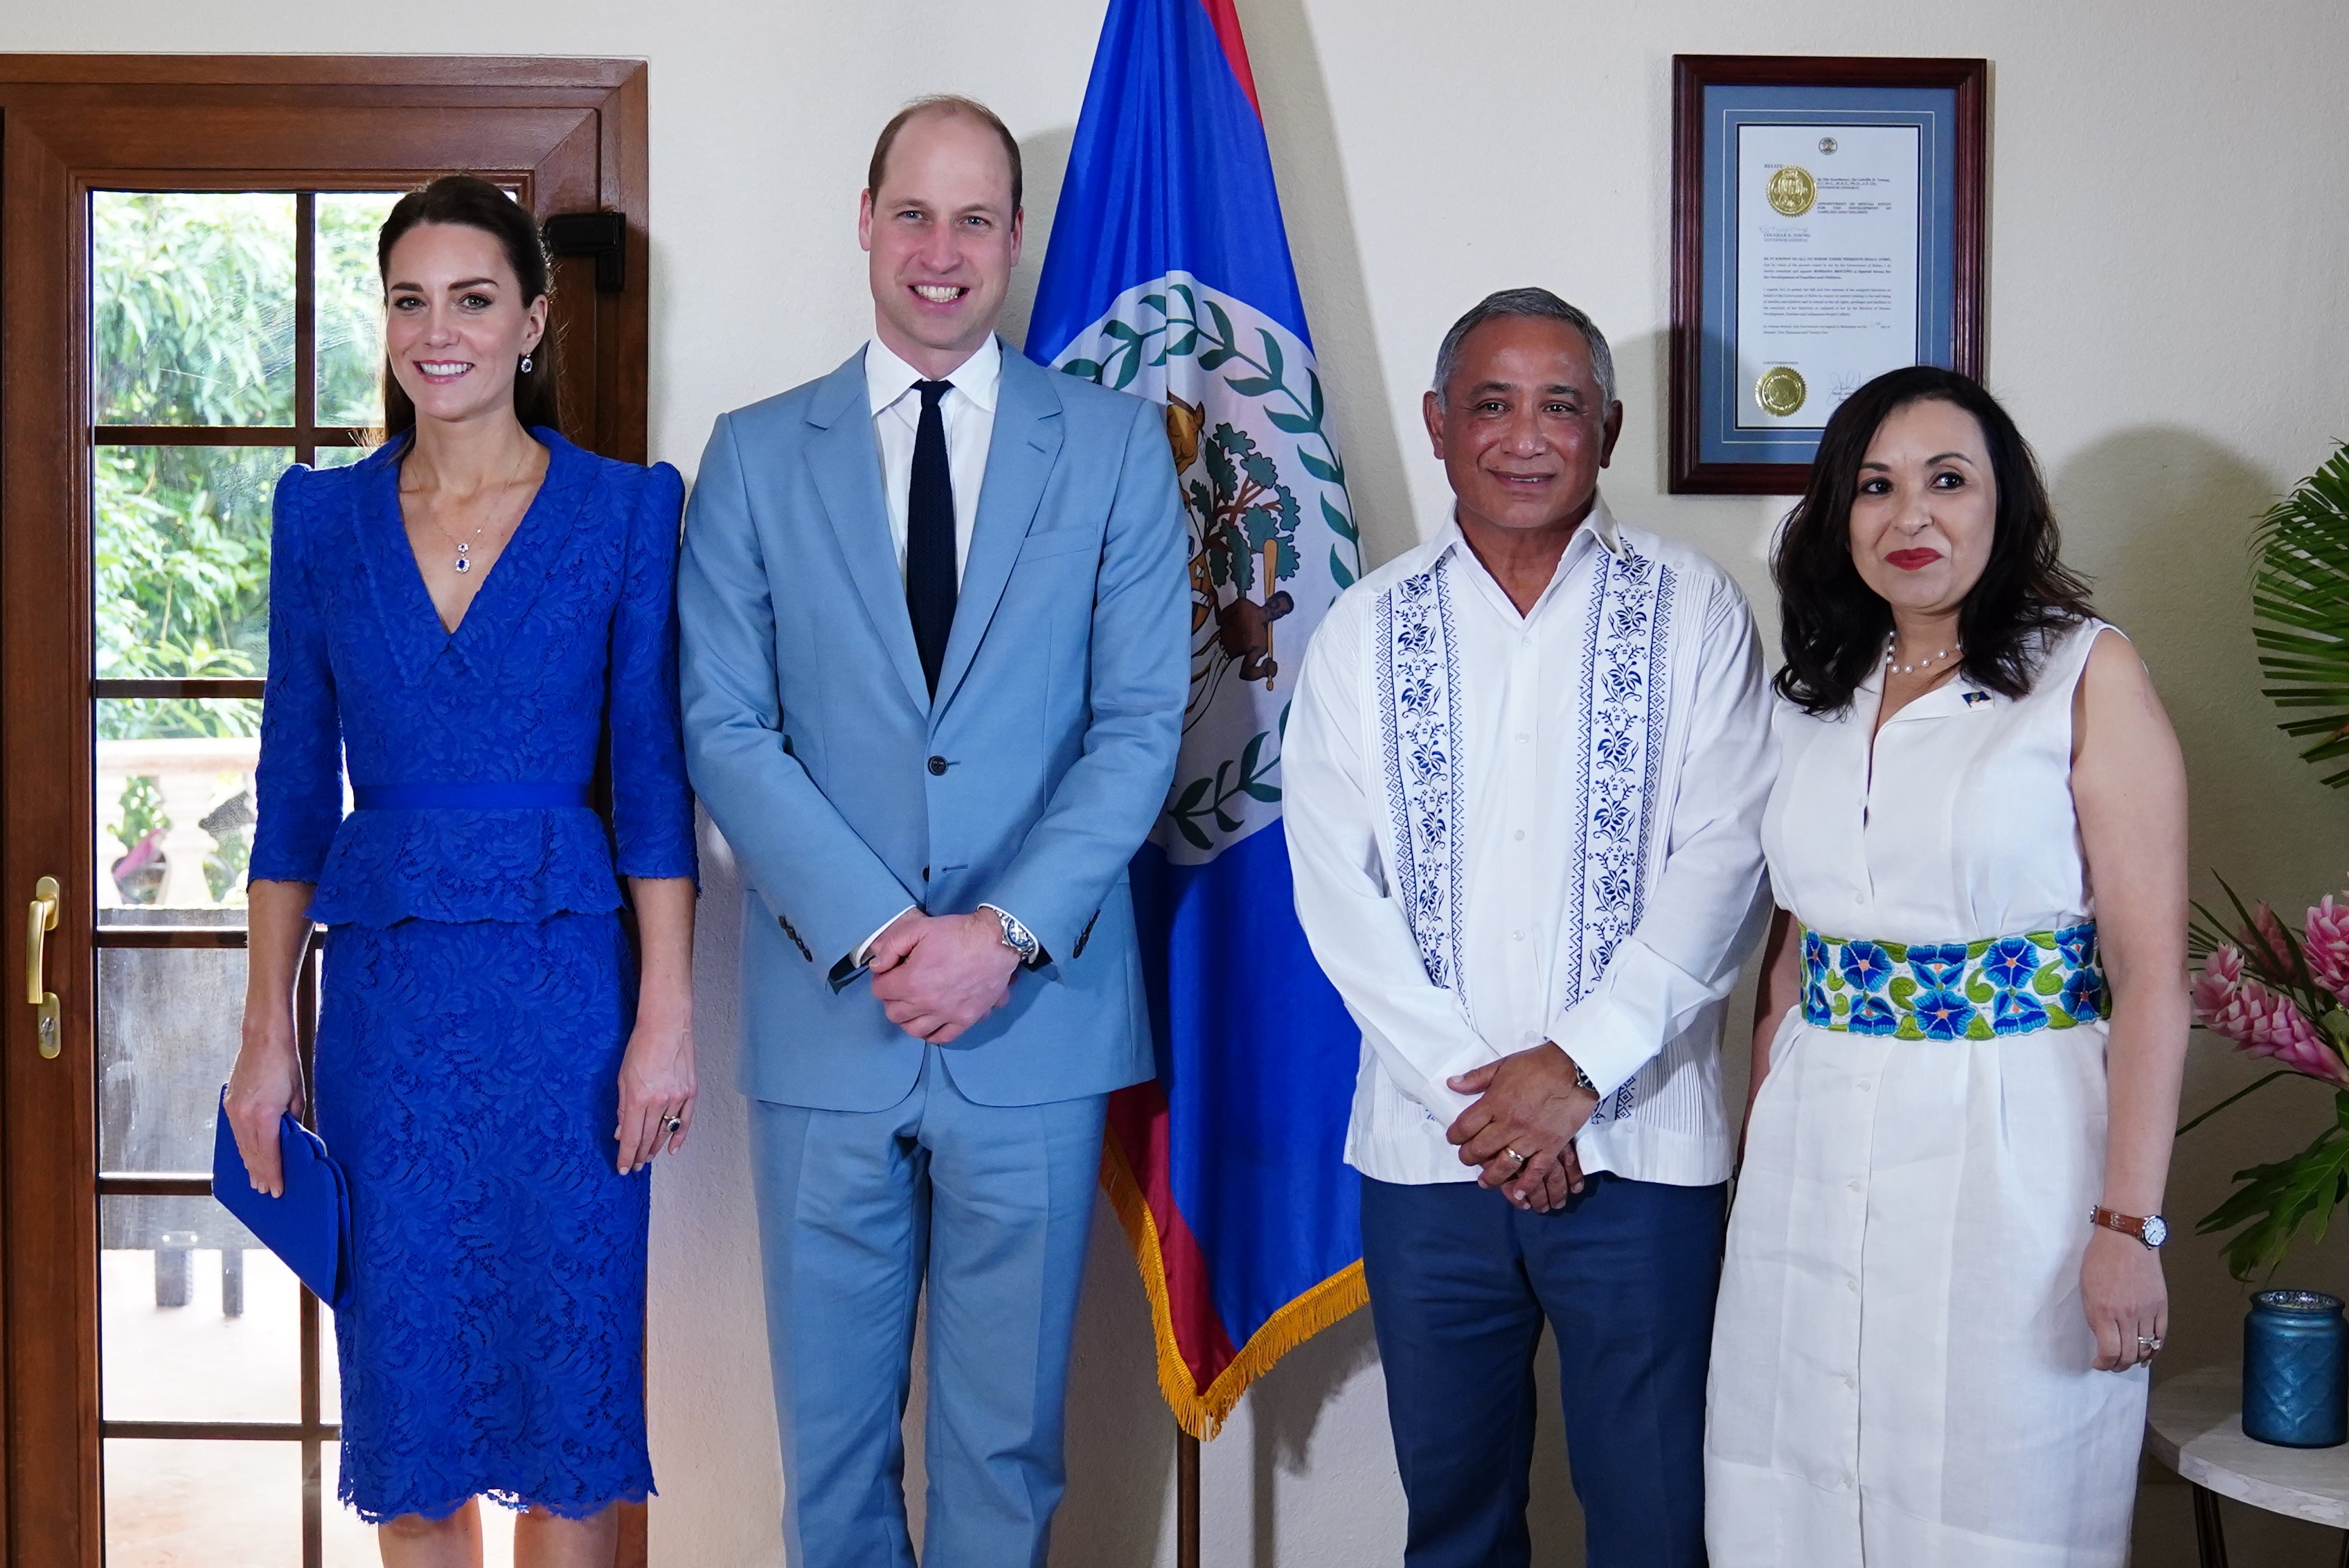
x=847 y=794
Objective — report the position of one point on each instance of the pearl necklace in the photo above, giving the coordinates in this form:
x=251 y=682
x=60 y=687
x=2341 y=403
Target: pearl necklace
x=1922 y=664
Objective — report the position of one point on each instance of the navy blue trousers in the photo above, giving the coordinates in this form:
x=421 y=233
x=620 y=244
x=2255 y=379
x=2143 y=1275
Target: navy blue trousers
x=1461 y=1281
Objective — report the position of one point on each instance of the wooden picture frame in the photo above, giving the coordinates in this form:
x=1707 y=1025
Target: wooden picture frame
x=1736 y=433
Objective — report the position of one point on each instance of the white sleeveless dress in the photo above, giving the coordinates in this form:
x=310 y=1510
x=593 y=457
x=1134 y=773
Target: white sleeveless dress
x=1903 y=1376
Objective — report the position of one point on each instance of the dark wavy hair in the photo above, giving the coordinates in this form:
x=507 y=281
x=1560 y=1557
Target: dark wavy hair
x=1833 y=625
x=473 y=203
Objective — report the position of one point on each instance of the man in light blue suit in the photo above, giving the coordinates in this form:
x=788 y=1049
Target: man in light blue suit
x=936 y=649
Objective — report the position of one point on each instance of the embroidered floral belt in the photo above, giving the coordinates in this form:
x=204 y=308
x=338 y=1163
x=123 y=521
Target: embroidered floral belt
x=1955 y=991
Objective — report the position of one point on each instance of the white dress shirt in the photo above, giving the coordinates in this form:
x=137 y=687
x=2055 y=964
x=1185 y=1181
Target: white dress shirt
x=1651 y=1020
x=968 y=411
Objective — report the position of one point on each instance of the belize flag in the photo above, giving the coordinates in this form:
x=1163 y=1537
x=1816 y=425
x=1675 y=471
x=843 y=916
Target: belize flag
x=1169 y=276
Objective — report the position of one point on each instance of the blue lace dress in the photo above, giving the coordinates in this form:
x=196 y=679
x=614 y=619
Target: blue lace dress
x=479 y=990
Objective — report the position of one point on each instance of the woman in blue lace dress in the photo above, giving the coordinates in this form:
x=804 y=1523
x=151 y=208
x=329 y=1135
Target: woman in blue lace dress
x=462 y=619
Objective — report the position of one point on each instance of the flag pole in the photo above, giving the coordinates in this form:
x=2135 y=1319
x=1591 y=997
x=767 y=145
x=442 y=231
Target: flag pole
x=1187 y=1500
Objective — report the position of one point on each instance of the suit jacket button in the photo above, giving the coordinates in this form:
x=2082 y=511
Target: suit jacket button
x=937 y=764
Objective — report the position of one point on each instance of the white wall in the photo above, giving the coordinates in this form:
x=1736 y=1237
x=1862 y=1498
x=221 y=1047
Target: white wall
x=2170 y=206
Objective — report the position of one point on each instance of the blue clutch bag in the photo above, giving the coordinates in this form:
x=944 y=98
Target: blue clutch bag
x=309 y=1228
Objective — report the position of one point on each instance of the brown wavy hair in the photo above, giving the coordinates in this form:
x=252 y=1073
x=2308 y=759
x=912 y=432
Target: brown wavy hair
x=1833 y=625
x=473 y=203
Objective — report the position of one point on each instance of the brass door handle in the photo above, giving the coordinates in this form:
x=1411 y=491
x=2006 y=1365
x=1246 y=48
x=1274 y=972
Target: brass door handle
x=40 y=920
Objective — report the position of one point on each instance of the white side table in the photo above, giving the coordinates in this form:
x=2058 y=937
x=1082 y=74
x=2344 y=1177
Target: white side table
x=2195 y=1426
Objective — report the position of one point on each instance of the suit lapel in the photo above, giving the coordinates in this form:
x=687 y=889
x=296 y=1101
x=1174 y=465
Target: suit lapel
x=1020 y=457
x=845 y=462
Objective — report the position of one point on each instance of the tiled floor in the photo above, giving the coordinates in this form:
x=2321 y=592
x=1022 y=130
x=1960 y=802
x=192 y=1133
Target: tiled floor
x=219 y=1504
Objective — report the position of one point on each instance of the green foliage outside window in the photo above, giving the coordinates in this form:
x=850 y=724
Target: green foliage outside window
x=193 y=324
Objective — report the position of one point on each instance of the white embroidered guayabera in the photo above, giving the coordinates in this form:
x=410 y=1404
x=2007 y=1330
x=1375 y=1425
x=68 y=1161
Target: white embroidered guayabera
x=1624 y=690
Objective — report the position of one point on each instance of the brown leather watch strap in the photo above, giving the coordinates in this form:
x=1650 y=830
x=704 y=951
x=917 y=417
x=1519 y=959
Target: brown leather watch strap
x=2151 y=1229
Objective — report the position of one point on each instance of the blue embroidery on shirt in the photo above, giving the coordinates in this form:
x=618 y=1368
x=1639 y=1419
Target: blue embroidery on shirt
x=1623 y=709
x=1626 y=679
x=1419 y=722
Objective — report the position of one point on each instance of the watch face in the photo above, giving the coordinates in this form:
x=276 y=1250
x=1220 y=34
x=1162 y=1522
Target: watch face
x=2157 y=1230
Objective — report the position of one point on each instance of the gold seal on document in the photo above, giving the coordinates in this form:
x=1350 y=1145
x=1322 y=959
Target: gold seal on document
x=1792 y=190
x=1780 y=392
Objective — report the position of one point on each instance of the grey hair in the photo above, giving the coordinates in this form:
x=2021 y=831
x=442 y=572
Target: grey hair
x=1535 y=301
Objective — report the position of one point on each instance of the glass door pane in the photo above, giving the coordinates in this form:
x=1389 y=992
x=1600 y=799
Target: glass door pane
x=215 y=1401
x=193 y=322
x=350 y=308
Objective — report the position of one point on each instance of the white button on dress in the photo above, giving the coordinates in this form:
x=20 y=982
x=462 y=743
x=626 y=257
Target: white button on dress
x=1946 y=1294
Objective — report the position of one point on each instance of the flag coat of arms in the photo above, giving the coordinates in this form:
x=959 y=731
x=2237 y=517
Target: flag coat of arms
x=1168 y=275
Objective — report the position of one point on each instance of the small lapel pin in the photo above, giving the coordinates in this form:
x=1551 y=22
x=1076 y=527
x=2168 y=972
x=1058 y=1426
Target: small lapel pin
x=1975 y=697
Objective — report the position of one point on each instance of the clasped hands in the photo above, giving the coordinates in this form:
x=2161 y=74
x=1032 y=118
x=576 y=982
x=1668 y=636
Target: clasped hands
x=1521 y=1131
x=937 y=975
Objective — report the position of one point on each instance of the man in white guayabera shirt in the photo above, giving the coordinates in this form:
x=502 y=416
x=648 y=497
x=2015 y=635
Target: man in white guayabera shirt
x=1525 y=777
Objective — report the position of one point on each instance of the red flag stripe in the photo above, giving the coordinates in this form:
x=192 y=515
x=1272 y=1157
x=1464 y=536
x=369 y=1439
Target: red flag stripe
x=1228 y=32
x=1138 y=1122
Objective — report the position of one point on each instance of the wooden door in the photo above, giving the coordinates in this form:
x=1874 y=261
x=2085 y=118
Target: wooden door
x=185 y=256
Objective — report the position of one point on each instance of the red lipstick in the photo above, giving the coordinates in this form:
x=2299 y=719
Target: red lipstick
x=1913 y=559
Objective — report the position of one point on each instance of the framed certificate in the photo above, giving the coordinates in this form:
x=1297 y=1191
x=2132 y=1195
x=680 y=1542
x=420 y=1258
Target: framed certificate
x=1827 y=227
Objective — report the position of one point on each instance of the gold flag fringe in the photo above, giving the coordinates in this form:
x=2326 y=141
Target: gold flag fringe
x=1200 y=1412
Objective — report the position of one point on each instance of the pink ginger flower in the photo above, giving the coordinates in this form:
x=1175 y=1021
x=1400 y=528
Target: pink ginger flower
x=2215 y=987
x=2326 y=945
x=2267 y=942
x=2263 y=1024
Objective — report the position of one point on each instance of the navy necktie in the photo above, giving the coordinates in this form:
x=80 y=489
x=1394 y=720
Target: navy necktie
x=930 y=576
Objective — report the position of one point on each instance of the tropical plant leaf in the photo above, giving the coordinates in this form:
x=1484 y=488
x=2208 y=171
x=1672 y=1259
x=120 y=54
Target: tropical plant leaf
x=2272 y=1202
x=2300 y=607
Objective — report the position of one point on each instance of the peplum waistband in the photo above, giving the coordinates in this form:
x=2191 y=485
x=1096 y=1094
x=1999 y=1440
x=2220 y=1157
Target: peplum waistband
x=463 y=862
x=499 y=795
x=1981 y=990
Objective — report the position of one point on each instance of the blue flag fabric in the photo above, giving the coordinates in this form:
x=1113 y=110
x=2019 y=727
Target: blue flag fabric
x=1169 y=276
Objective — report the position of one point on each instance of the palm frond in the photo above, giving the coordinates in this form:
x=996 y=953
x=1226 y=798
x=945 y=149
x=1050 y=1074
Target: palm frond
x=2300 y=599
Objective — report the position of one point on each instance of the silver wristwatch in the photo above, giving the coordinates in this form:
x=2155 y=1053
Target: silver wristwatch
x=1017 y=937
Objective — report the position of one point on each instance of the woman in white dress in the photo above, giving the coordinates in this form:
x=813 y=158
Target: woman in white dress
x=1943 y=1286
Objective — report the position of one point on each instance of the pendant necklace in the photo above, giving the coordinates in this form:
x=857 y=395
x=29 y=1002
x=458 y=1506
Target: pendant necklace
x=1917 y=666
x=465 y=561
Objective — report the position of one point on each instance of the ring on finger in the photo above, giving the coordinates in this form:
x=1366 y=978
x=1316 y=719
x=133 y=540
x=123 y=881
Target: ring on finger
x=671 y=1121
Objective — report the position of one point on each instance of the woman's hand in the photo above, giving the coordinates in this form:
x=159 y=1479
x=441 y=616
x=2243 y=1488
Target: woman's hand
x=265 y=1084
x=656 y=1082
x=2126 y=1299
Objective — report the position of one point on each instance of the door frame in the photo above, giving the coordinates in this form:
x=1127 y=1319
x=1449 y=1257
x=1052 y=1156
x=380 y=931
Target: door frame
x=69 y=123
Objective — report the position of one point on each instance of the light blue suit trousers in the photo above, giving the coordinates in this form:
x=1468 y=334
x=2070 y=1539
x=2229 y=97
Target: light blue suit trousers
x=993 y=1204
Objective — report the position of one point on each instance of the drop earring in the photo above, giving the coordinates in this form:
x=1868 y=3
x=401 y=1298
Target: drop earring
x=525 y=364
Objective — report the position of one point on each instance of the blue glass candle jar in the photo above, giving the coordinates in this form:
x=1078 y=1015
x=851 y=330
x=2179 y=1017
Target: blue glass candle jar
x=2296 y=1370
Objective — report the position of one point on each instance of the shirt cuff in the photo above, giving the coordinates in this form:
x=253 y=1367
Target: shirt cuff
x=1444 y=1100
x=864 y=954
x=1609 y=1047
